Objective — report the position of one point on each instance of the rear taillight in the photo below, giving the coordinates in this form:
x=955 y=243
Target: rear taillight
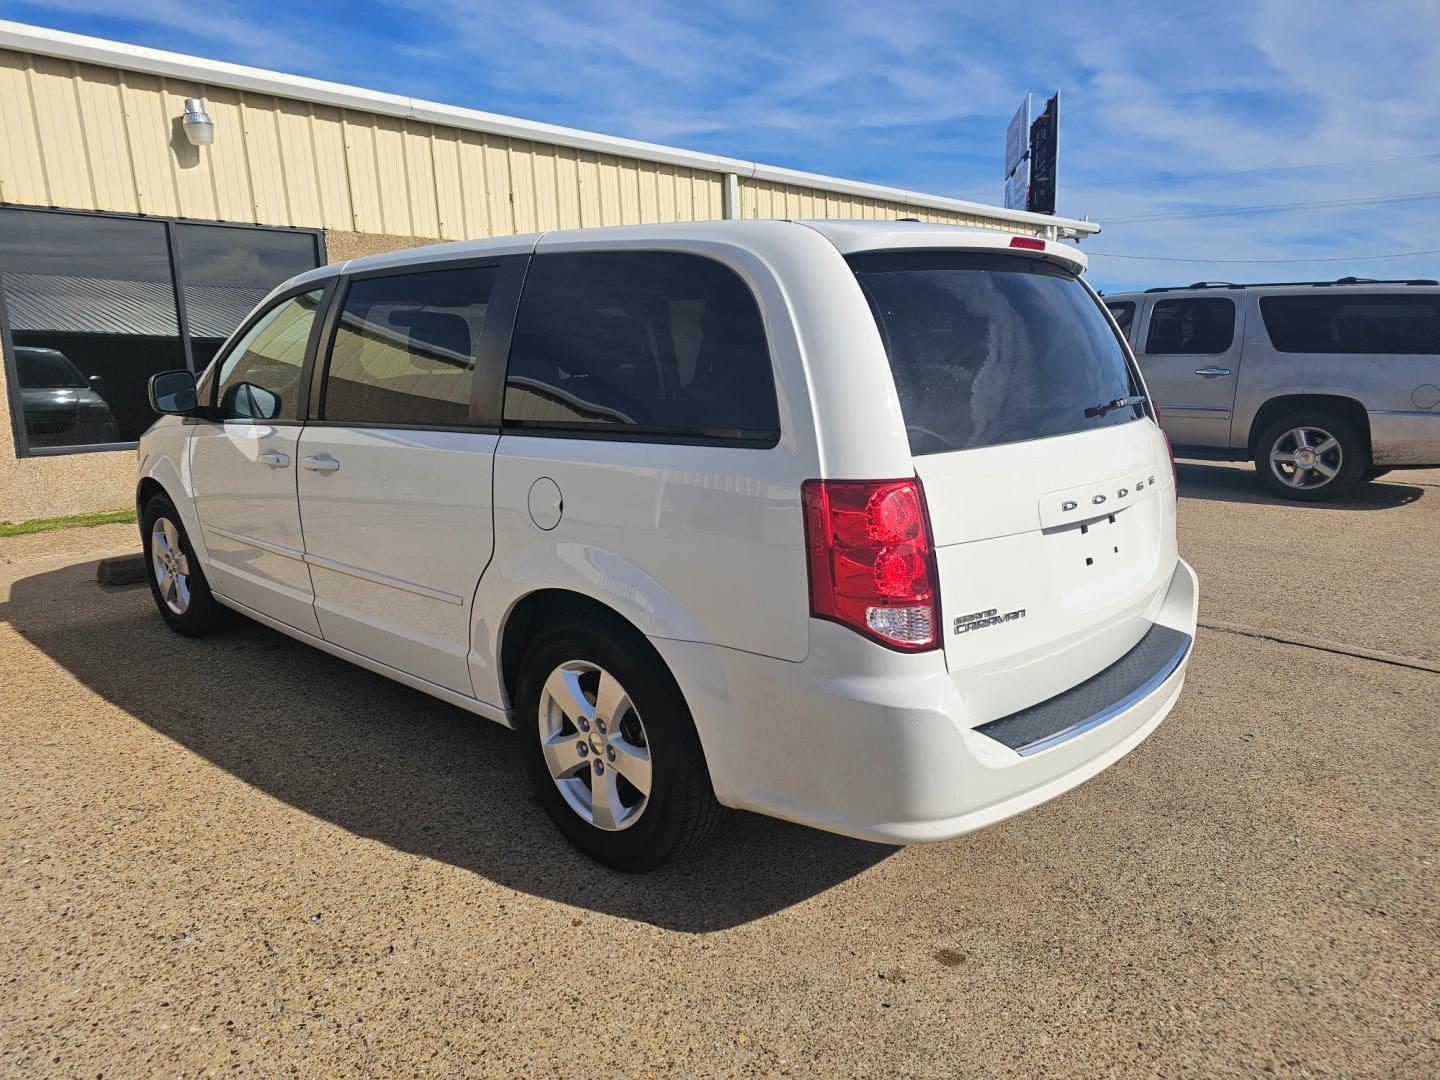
x=1027 y=243
x=871 y=563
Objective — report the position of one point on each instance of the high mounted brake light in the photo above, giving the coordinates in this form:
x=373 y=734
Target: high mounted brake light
x=871 y=563
x=1028 y=243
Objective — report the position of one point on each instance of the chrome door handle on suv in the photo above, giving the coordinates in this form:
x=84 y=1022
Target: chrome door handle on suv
x=275 y=459
x=1212 y=372
x=321 y=463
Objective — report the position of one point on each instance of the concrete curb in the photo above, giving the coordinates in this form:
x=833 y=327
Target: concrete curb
x=121 y=570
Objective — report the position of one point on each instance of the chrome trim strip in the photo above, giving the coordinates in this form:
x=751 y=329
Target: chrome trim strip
x=1218 y=413
x=384 y=579
x=251 y=541
x=1116 y=708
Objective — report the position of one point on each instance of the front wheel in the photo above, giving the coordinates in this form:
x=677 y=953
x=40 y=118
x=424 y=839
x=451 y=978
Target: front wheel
x=177 y=583
x=1312 y=456
x=610 y=746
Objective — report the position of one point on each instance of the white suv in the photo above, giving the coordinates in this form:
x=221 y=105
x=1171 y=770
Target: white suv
x=864 y=525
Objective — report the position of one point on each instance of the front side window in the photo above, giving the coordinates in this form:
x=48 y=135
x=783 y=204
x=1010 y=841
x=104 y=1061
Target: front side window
x=91 y=307
x=260 y=376
x=659 y=343
x=1202 y=326
x=1372 y=323
x=990 y=349
x=405 y=348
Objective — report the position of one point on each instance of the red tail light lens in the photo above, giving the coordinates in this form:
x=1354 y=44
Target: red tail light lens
x=1027 y=243
x=872 y=566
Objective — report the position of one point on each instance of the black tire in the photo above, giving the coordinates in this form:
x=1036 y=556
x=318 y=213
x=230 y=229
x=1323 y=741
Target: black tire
x=1349 y=458
x=202 y=615
x=1373 y=473
x=680 y=810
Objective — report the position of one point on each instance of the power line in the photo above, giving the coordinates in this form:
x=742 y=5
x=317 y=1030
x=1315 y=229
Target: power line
x=1328 y=259
x=1221 y=211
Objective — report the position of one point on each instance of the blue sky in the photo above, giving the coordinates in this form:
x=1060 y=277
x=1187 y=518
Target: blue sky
x=1174 y=115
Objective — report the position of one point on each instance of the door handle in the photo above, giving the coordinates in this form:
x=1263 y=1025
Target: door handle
x=1212 y=372
x=321 y=463
x=275 y=459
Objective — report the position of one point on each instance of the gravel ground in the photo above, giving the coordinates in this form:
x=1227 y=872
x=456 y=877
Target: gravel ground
x=241 y=856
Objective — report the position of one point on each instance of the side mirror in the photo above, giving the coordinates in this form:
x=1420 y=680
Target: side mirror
x=173 y=393
x=97 y=384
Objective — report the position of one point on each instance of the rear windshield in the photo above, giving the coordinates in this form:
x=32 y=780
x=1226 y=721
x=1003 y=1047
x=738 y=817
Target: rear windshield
x=989 y=349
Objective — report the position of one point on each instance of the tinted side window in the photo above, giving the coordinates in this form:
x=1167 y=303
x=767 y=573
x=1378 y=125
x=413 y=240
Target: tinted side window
x=260 y=376
x=1124 y=313
x=1203 y=325
x=648 y=342
x=404 y=350
x=1358 y=323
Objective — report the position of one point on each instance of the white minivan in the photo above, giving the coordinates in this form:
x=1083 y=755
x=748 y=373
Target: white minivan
x=865 y=525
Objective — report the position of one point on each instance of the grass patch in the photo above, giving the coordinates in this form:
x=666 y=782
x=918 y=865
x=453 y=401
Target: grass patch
x=84 y=521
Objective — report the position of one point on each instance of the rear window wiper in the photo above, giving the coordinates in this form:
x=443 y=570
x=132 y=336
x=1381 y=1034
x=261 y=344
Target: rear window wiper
x=1118 y=403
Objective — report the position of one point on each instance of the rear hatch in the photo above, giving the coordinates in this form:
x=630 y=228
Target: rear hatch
x=1048 y=483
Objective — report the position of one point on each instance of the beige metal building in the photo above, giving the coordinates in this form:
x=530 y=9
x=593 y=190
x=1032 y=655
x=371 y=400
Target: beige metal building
x=127 y=248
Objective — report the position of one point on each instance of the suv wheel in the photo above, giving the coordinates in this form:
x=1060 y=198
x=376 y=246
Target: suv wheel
x=610 y=746
x=1312 y=456
x=176 y=581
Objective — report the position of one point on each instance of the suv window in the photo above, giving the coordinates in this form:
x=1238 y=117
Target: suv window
x=1200 y=325
x=989 y=349
x=404 y=348
x=260 y=376
x=659 y=343
x=1124 y=313
x=1358 y=323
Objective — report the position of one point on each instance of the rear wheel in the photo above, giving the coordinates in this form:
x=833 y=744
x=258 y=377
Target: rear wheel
x=177 y=583
x=610 y=746
x=1312 y=456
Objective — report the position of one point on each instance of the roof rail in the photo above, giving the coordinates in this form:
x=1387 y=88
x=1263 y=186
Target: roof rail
x=1279 y=284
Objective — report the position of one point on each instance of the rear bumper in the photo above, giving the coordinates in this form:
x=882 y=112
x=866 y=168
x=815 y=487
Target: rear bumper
x=1405 y=438
x=884 y=750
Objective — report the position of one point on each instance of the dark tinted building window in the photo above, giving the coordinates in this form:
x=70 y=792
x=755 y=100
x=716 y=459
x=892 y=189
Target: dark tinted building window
x=1203 y=326
x=91 y=309
x=647 y=342
x=225 y=272
x=993 y=349
x=260 y=376
x=1124 y=313
x=1355 y=323
x=92 y=312
x=404 y=350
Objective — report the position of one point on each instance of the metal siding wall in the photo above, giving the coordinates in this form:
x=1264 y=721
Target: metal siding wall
x=764 y=199
x=94 y=138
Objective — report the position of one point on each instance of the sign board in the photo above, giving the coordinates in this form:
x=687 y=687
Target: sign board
x=1017 y=158
x=1044 y=159
x=1017 y=137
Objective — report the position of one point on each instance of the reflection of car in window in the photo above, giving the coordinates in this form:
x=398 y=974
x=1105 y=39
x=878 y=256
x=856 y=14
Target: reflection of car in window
x=59 y=400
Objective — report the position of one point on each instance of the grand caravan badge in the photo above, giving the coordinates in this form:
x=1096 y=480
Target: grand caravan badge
x=979 y=620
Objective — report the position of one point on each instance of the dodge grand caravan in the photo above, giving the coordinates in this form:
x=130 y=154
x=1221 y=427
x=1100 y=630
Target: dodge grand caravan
x=868 y=526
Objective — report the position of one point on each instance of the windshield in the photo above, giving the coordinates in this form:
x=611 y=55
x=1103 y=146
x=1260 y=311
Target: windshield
x=989 y=349
x=45 y=369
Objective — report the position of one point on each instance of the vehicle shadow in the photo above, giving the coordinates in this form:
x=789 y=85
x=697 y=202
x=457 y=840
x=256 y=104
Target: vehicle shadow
x=1227 y=483
x=386 y=762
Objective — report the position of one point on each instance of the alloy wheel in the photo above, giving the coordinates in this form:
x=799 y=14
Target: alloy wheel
x=170 y=565
x=595 y=745
x=1306 y=458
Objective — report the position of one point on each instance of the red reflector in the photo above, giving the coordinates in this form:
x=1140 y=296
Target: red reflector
x=1028 y=243
x=871 y=564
